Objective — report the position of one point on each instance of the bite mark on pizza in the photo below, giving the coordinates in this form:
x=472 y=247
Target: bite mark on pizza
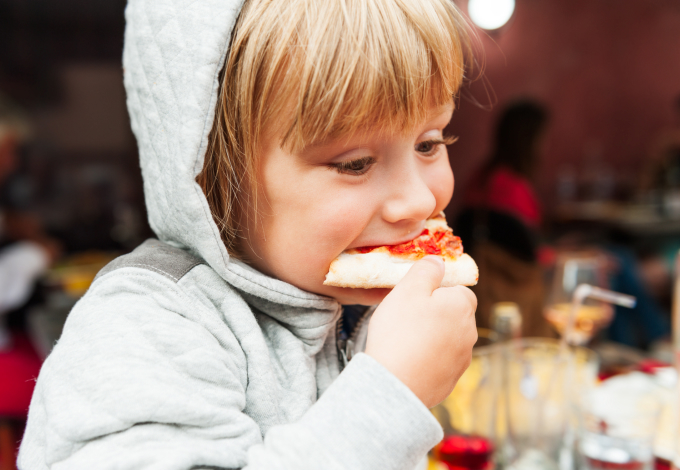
x=384 y=266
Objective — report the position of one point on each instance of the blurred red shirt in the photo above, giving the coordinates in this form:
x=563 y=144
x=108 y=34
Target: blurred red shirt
x=505 y=191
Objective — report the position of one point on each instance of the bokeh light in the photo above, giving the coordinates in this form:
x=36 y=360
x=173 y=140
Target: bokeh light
x=491 y=14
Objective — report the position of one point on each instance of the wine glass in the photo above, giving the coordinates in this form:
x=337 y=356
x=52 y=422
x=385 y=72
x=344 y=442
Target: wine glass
x=571 y=270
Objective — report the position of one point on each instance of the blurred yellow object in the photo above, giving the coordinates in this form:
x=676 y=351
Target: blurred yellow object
x=589 y=318
x=473 y=403
x=75 y=273
x=77 y=284
x=525 y=373
x=434 y=465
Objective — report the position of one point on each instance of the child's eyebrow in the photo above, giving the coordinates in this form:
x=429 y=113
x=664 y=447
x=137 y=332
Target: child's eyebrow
x=354 y=140
x=344 y=143
x=328 y=151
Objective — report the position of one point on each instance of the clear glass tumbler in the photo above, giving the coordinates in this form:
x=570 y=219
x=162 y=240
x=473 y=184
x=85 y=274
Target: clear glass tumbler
x=469 y=415
x=541 y=384
x=618 y=424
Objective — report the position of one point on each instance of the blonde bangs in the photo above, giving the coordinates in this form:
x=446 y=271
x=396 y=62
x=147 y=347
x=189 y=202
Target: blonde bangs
x=317 y=70
x=345 y=65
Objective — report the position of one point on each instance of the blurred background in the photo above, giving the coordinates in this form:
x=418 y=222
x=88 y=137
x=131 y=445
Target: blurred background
x=70 y=186
x=569 y=149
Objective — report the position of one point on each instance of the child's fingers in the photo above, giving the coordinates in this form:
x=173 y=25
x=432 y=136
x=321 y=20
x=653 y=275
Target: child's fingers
x=458 y=296
x=424 y=276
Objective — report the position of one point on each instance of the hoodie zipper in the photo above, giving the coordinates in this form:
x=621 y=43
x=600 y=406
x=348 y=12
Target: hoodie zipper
x=346 y=346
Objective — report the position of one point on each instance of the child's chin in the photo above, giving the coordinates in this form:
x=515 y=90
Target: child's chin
x=348 y=296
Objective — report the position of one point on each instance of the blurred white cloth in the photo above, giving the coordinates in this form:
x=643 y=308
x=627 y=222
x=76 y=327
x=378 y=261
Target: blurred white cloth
x=20 y=266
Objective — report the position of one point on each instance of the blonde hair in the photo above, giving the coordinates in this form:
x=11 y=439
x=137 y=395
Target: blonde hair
x=318 y=70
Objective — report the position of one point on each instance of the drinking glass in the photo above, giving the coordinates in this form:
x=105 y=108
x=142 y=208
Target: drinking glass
x=541 y=381
x=469 y=415
x=618 y=424
x=572 y=270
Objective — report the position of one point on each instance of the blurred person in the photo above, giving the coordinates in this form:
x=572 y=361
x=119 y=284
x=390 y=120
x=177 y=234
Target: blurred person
x=660 y=187
x=27 y=250
x=501 y=227
x=25 y=255
x=646 y=323
x=501 y=219
x=506 y=183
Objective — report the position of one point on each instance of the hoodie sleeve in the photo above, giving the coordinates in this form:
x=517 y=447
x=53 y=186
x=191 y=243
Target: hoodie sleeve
x=367 y=419
x=135 y=384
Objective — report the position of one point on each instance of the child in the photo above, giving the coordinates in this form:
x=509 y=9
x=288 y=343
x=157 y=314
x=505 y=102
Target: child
x=312 y=127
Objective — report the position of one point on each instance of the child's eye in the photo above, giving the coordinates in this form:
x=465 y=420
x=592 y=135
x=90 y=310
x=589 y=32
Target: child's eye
x=356 y=167
x=429 y=147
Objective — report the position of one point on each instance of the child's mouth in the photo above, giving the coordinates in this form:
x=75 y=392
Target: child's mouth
x=409 y=236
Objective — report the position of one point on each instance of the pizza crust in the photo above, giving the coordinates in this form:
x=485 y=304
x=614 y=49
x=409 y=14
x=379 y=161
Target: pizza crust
x=379 y=269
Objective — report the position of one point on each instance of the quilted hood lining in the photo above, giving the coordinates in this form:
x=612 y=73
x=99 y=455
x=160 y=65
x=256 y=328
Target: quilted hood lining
x=174 y=52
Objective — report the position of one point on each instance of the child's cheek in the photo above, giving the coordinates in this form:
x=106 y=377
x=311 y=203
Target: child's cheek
x=441 y=183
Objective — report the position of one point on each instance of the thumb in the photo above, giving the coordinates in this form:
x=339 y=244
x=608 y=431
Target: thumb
x=424 y=277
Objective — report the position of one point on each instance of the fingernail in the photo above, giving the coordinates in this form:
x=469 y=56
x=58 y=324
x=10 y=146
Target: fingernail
x=436 y=259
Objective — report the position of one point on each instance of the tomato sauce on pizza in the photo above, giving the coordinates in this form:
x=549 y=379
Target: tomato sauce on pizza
x=440 y=242
x=384 y=266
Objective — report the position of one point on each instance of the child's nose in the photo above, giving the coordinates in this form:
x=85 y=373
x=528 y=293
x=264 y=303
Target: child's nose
x=410 y=199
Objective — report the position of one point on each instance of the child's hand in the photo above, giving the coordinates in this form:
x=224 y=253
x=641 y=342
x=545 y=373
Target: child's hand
x=424 y=334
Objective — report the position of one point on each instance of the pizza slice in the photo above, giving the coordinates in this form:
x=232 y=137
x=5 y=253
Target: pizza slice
x=384 y=266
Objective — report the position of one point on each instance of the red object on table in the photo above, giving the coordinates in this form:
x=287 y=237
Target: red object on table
x=649 y=366
x=661 y=464
x=646 y=366
x=461 y=452
x=19 y=367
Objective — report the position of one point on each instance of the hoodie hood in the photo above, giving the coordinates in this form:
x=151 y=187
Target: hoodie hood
x=174 y=51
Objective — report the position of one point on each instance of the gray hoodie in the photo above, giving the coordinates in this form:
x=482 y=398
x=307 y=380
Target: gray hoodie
x=179 y=357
